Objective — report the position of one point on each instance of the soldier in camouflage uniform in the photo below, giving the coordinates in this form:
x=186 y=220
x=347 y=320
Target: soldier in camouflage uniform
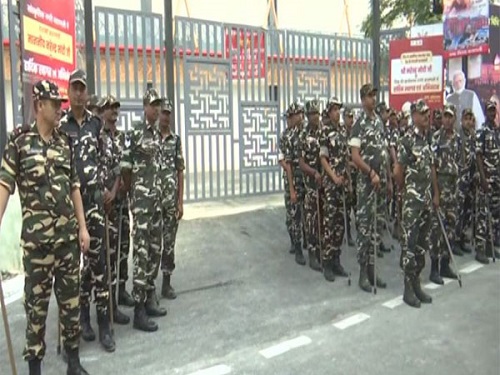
x=488 y=163
x=287 y=175
x=311 y=168
x=140 y=166
x=93 y=106
x=84 y=130
x=353 y=172
x=334 y=155
x=111 y=152
x=415 y=175
x=39 y=159
x=445 y=146
x=369 y=151
x=437 y=122
x=466 y=180
x=172 y=185
x=295 y=113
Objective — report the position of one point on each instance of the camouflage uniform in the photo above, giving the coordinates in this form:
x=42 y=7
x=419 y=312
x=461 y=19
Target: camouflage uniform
x=141 y=156
x=351 y=200
x=309 y=151
x=466 y=182
x=488 y=147
x=283 y=142
x=46 y=176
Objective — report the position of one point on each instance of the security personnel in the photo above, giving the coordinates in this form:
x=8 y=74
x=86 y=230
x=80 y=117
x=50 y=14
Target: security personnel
x=172 y=185
x=39 y=159
x=84 y=130
x=351 y=198
x=140 y=167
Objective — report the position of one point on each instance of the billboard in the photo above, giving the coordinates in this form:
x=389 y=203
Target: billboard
x=48 y=45
x=247 y=51
x=416 y=71
x=465 y=27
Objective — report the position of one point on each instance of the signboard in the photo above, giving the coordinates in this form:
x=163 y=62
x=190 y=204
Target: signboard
x=48 y=44
x=465 y=27
x=247 y=51
x=422 y=31
x=416 y=71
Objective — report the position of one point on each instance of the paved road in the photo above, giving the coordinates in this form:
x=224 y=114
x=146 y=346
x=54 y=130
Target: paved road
x=245 y=307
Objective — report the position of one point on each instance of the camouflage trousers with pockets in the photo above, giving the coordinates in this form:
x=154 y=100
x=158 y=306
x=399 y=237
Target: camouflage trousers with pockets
x=120 y=212
x=333 y=221
x=170 y=225
x=448 y=207
x=483 y=234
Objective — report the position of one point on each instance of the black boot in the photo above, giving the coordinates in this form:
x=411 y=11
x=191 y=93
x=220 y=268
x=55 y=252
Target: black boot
x=337 y=268
x=141 y=320
x=445 y=269
x=328 y=270
x=463 y=246
x=74 y=366
x=124 y=298
x=88 y=333
x=35 y=366
x=384 y=248
x=153 y=308
x=421 y=295
x=166 y=289
x=371 y=273
x=409 y=296
x=314 y=262
x=118 y=316
x=434 y=276
x=105 y=336
x=364 y=283
x=482 y=258
x=456 y=250
x=299 y=257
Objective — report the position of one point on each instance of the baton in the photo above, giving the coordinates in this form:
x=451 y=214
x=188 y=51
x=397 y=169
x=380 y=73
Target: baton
x=108 y=264
x=490 y=228
x=375 y=242
x=345 y=232
x=119 y=250
x=452 y=257
x=7 y=330
x=319 y=230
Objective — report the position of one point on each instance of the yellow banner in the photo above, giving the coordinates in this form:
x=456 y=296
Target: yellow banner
x=47 y=41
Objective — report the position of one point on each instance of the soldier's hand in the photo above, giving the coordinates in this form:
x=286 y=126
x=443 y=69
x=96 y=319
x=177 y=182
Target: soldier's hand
x=317 y=178
x=435 y=201
x=390 y=190
x=293 y=196
x=108 y=196
x=180 y=211
x=339 y=180
x=84 y=240
x=375 y=181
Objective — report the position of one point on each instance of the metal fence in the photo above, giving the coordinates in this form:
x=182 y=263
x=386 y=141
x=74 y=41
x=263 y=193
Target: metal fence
x=232 y=83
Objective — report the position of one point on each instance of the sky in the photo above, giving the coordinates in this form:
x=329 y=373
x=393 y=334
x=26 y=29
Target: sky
x=324 y=16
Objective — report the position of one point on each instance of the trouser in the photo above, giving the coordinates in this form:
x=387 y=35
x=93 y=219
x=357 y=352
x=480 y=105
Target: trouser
x=42 y=264
x=448 y=207
x=94 y=261
x=147 y=250
x=120 y=207
x=311 y=220
x=483 y=234
x=294 y=216
x=417 y=218
x=170 y=225
x=466 y=193
x=333 y=222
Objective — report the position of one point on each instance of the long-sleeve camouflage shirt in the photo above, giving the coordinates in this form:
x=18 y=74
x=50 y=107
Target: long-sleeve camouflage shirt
x=416 y=156
x=467 y=149
x=111 y=151
x=333 y=143
x=142 y=157
x=446 y=153
x=309 y=150
x=292 y=157
x=86 y=148
x=46 y=176
x=488 y=146
x=282 y=145
x=172 y=162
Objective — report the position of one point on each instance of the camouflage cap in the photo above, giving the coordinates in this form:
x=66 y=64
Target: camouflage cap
x=438 y=114
x=449 y=109
x=392 y=111
x=167 y=106
x=92 y=102
x=333 y=101
x=366 y=90
x=151 y=96
x=420 y=106
x=108 y=101
x=348 y=111
x=44 y=89
x=381 y=107
x=490 y=104
x=467 y=111
x=78 y=75
x=295 y=108
x=312 y=106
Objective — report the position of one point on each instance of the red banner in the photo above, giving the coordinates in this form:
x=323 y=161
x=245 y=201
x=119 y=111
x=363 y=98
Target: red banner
x=48 y=43
x=416 y=71
x=247 y=50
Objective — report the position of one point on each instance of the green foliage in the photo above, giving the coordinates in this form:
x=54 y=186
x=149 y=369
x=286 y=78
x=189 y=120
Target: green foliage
x=413 y=12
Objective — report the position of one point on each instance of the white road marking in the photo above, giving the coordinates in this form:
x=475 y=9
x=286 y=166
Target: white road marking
x=285 y=346
x=447 y=281
x=471 y=268
x=393 y=303
x=432 y=286
x=352 y=320
x=215 y=370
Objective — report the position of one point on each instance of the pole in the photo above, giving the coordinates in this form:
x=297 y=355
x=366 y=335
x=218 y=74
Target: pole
x=376 y=44
x=89 y=46
x=3 y=108
x=7 y=330
x=169 y=53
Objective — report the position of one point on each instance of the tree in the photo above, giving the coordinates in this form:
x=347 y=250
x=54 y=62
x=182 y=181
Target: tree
x=415 y=12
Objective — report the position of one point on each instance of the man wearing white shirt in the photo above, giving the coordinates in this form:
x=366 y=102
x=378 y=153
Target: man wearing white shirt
x=463 y=98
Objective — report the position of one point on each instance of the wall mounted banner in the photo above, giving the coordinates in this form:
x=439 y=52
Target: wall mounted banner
x=48 y=44
x=416 y=71
x=465 y=27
